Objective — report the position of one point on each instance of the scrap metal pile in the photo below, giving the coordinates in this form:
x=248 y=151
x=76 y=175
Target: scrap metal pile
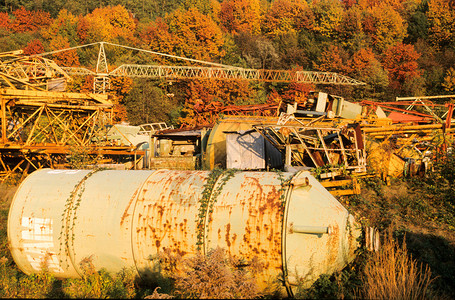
x=389 y=139
x=40 y=125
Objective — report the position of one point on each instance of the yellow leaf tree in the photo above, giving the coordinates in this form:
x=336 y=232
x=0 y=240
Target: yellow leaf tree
x=441 y=19
x=385 y=26
x=186 y=33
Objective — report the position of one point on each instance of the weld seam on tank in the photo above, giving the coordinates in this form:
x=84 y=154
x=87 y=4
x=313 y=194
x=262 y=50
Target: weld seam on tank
x=139 y=192
x=286 y=196
x=65 y=229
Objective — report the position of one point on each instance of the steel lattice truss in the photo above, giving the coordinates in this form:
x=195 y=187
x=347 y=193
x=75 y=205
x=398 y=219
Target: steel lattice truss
x=187 y=72
x=214 y=71
x=19 y=71
x=40 y=129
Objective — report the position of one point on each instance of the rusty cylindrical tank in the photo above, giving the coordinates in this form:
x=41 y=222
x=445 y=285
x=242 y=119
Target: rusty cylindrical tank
x=122 y=219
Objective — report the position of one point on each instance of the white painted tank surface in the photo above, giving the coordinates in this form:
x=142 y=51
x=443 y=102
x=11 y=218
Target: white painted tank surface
x=124 y=218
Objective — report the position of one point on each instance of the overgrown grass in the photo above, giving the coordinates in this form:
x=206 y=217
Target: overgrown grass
x=391 y=273
x=100 y=284
x=215 y=276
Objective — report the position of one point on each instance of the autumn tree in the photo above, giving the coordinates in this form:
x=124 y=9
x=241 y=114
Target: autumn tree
x=296 y=92
x=106 y=24
x=449 y=80
x=34 y=47
x=188 y=34
x=207 y=7
x=5 y=22
x=328 y=15
x=285 y=16
x=241 y=16
x=441 y=19
x=351 y=34
x=64 y=25
x=367 y=68
x=25 y=20
x=385 y=26
x=67 y=58
x=205 y=98
x=401 y=63
x=333 y=59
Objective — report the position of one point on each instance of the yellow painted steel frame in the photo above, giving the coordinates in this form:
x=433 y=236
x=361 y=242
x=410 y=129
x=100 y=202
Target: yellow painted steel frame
x=39 y=129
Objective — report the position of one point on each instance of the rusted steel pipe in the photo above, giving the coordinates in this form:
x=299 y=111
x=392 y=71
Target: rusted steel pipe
x=123 y=219
x=402 y=128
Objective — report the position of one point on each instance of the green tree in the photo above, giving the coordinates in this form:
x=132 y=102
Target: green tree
x=148 y=103
x=64 y=25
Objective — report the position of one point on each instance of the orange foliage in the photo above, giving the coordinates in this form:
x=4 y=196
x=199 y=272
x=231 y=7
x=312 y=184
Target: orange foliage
x=34 y=47
x=186 y=33
x=401 y=63
x=205 y=98
x=362 y=59
x=120 y=114
x=159 y=39
x=333 y=59
x=385 y=26
x=120 y=86
x=396 y=4
x=297 y=92
x=29 y=20
x=441 y=18
x=106 y=24
x=241 y=15
x=68 y=58
x=5 y=21
x=287 y=15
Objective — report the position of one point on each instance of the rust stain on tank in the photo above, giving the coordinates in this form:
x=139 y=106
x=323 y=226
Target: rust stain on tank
x=125 y=213
x=333 y=243
x=228 y=229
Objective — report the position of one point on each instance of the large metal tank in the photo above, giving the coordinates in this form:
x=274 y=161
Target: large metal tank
x=118 y=218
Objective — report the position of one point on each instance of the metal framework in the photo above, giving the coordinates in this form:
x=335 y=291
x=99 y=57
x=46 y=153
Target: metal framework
x=40 y=126
x=188 y=72
x=316 y=144
x=215 y=71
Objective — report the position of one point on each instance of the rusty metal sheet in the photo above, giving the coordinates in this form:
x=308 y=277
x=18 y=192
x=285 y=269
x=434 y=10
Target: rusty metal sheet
x=165 y=217
x=246 y=219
